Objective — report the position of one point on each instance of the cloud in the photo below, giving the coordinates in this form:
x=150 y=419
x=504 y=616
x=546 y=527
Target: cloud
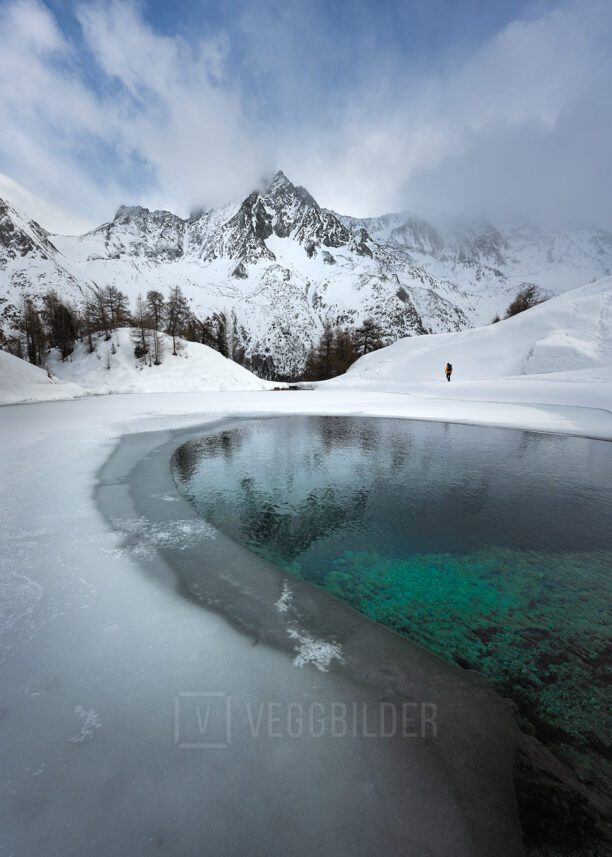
x=119 y=111
x=47 y=114
x=160 y=125
x=175 y=108
x=526 y=119
x=63 y=222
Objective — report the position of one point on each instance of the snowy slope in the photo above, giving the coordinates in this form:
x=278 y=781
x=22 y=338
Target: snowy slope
x=113 y=368
x=570 y=333
x=23 y=382
x=488 y=264
x=30 y=265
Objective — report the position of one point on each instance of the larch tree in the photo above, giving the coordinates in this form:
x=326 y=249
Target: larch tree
x=177 y=315
x=368 y=337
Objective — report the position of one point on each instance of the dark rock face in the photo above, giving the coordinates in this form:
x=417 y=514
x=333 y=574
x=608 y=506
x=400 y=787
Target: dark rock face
x=360 y=244
x=484 y=244
x=136 y=231
x=240 y=272
x=419 y=236
x=310 y=247
x=22 y=239
x=30 y=265
x=283 y=210
x=245 y=234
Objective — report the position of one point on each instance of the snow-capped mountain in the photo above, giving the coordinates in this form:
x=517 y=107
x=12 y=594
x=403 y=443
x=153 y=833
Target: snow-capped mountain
x=281 y=266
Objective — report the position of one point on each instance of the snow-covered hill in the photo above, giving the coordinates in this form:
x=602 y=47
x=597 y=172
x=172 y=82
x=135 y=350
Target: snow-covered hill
x=282 y=266
x=571 y=333
x=23 y=382
x=113 y=368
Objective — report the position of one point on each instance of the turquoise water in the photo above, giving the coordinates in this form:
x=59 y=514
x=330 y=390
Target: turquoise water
x=492 y=548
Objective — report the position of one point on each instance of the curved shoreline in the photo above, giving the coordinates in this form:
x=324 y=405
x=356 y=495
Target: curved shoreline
x=472 y=753
x=541 y=409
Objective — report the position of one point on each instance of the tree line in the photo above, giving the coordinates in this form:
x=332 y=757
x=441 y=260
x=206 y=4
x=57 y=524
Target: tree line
x=52 y=323
x=339 y=347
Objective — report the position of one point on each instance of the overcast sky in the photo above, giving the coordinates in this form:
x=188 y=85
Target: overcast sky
x=494 y=108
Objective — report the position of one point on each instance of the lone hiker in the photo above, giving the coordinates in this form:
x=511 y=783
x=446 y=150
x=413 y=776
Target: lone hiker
x=448 y=370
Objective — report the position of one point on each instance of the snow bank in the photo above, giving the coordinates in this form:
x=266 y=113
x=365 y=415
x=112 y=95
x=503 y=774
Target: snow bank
x=113 y=368
x=23 y=382
x=570 y=333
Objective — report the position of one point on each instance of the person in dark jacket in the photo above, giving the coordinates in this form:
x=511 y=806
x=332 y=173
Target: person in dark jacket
x=448 y=371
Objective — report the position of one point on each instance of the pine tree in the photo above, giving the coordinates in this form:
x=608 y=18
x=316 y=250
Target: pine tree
x=211 y=331
x=325 y=351
x=236 y=337
x=368 y=337
x=157 y=347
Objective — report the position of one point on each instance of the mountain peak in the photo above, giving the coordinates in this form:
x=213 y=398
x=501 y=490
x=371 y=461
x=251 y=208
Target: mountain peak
x=279 y=181
x=280 y=176
x=126 y=211
x=283 y=191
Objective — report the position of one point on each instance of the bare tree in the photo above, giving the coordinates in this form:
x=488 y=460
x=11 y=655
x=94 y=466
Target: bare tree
x=118 y=307
x=100 y=317
x=332 y=355
x=368 y=337
x=528 y=297
x=156 y=307
x=62 y=324
x=157 y=347
x=87 y=315
x=33 y=329
x=177 y=315
x=141 y=331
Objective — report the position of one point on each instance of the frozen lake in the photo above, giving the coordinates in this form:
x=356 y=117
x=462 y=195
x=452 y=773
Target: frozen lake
x=132 y=629
x=343 y=737
x=490 y=547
